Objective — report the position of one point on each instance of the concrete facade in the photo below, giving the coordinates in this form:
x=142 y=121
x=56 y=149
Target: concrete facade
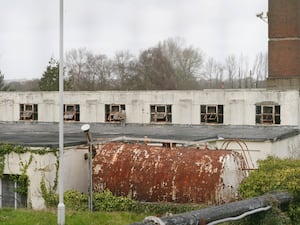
x=239 y=106
x=239 y=122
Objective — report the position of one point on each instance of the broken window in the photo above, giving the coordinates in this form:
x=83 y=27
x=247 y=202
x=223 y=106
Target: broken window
x=267 y=114
x=72 y=112
x=28 y=112
x=211 y=113
x=161 y=113
x=115 y=113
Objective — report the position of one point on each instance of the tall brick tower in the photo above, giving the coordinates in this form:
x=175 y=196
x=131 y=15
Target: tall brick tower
x=284 y=44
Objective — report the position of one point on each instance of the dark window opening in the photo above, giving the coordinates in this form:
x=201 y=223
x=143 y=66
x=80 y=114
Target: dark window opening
x=211 y=113
x=267 y=114
x=161 y=113
x=12 y=194
x=28 y=112
x=72 y=112
x=115 y=113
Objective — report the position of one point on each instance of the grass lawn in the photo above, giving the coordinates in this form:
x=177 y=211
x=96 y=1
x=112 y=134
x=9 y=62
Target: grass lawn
x=49 y=217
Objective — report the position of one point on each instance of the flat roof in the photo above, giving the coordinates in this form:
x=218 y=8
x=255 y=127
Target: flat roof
x=47 y=134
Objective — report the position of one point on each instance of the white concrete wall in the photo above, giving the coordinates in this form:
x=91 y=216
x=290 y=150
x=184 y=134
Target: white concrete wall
x=287 y=148
x=239 y=104
x=255 y=150
x=252 y=151
x=44 y=167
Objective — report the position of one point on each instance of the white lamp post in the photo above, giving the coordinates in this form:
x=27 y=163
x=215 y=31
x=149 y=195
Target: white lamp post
x=61 y=205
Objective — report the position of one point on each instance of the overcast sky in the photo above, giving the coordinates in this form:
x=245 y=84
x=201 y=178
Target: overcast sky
x=29 y=29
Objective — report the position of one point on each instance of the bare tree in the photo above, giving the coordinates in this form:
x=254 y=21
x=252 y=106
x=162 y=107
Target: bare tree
x=187 y=62
x=170 y=64
x=155 y=70
x=88 y=71
x=260 y=69
x=243 y=72
x=124 y=71
x=213 y=72
x=231 y=69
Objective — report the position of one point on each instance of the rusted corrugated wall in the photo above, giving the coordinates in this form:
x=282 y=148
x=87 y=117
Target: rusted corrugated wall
x=181 y=174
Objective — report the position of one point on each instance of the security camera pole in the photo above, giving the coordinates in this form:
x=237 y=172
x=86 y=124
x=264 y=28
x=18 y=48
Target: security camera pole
x=61 y=205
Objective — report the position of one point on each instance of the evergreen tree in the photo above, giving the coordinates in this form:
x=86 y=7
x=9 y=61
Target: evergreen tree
x=50 y=78
x=3 y=86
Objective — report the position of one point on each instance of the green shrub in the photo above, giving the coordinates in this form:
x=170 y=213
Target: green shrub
x=75 y=200
x=107 y=202
x=273 y=175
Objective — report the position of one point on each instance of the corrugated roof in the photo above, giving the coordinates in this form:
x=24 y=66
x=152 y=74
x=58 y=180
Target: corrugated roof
x=46 y=134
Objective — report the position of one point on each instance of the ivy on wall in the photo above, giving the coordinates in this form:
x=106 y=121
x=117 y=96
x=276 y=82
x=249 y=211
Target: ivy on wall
x=22 y=179
x=49 y=192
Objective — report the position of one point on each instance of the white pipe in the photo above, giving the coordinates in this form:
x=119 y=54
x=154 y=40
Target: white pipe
x=156 y=140
x=61 y=205
x=240 y=216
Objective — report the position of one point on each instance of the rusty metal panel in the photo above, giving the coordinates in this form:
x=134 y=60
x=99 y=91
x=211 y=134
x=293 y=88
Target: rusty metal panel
x=181 y=174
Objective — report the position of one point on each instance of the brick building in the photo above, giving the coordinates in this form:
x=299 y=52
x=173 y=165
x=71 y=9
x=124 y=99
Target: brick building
x=284 y=43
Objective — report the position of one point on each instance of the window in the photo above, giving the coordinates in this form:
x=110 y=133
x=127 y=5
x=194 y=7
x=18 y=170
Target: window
x=115 y=113
x=9 y=193
x=161 y=113
x=211 y=113
x=267 y=114
x=28 y=112
x=72 y=112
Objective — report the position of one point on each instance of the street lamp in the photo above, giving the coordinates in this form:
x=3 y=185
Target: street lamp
x=61 y=205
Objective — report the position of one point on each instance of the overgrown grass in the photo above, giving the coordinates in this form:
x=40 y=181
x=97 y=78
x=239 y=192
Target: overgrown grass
x=49 y=217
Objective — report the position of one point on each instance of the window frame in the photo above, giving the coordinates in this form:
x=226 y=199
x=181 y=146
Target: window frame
x=28 y=112
x=267 y=114
x=71 y=114
x=209 y=116
x=115 y=113
x=160 y=113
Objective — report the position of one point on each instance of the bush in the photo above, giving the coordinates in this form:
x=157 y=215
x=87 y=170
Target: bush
x=75 y=200
x=107 y=202
x=273 y=175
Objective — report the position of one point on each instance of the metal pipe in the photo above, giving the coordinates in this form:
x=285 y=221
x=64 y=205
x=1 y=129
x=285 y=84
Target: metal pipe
x=86 y=129
x=230 y=210
x=61 y=205
x=240 y=216
x=90 y=177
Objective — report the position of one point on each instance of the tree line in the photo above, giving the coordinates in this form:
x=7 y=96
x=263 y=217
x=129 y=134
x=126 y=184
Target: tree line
x=169 y=65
